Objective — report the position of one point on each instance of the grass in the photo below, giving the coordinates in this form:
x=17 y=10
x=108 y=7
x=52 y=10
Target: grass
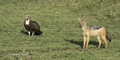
x=62 y=37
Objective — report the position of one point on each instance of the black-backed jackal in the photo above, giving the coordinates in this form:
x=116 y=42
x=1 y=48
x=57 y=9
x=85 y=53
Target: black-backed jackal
x=93 y=30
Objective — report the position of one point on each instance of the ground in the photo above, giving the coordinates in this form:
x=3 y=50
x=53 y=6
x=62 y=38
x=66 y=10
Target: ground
x=62 y=36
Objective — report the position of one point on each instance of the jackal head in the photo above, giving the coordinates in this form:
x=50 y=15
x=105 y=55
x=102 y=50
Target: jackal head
x=82 y=22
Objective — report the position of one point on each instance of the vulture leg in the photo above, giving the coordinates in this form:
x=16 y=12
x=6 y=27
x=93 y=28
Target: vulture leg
x=33 y=33
x=29 y=33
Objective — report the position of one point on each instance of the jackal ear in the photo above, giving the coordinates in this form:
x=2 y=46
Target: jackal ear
x=85 y=18
x=79 y=19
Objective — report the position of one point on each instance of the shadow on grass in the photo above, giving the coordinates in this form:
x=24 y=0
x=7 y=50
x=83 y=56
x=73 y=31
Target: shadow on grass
x=81 y=43
x=22 y=31
x=75 y=42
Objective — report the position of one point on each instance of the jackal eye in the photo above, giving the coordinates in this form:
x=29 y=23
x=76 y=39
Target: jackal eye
x=80 y=26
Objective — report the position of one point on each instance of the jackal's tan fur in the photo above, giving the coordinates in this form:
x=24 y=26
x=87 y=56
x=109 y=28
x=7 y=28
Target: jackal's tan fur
x=95 y=30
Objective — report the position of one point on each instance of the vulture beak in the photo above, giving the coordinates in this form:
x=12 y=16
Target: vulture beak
x=27 y=16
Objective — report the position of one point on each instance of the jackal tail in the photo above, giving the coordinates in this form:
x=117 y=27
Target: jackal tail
x=108 y=37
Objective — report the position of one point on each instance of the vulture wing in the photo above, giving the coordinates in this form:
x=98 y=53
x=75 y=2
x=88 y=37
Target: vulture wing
x=35 y=25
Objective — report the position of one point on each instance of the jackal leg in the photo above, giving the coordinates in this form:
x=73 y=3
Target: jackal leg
x=88 y=37
x=104 y=38
x=103 y=35
x=98 y=37
x=84 y=42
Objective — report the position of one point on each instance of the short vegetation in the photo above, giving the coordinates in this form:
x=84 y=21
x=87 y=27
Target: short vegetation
x=62 y=36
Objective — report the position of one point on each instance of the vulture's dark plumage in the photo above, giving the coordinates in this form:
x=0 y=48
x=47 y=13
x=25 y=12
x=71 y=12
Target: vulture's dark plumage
x=31 y=26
